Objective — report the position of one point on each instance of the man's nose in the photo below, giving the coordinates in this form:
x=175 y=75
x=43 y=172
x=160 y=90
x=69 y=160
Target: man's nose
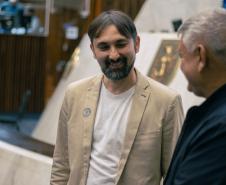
x=114 y=54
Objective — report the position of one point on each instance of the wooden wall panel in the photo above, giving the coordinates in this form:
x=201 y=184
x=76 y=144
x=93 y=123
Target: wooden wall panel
x=131 y=7
x=22 y=67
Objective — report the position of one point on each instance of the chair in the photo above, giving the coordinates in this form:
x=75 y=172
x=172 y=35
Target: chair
x=16 y=118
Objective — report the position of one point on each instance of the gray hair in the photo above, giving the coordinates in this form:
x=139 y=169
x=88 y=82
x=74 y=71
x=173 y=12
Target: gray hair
x=208 y=28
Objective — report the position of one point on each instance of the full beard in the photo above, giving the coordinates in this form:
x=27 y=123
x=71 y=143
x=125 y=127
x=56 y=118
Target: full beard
x=116 y=70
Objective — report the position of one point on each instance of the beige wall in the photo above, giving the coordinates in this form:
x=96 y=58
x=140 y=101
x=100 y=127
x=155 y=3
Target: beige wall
x=157 y=15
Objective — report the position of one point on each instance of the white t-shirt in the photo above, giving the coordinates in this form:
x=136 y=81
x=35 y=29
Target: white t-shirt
x=108 y=137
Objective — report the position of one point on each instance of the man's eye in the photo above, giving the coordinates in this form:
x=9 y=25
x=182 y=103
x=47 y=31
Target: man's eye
x=103 y=47
x=121 y=45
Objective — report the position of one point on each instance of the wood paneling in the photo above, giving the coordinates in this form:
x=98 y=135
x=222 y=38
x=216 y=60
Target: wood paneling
x=130 y=7
x=22 y=67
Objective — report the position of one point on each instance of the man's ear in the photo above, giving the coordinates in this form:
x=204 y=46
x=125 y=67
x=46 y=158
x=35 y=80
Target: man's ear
x=92 y=48
x=137 y=44
x=202 y=52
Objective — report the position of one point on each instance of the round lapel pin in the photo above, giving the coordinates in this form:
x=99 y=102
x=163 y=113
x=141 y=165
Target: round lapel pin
x=86 y=112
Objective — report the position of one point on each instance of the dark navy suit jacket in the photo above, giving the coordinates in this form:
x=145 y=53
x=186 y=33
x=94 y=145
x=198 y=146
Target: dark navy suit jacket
x=200 y=155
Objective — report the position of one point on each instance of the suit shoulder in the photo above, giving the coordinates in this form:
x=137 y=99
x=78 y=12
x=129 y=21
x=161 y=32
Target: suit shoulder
x=162 y=90
x=82 y=84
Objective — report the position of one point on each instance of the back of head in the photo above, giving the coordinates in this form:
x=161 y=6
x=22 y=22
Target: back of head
x=120 y=20
x=207 y=28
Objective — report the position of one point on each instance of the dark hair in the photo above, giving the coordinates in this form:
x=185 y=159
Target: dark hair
x=120 y=20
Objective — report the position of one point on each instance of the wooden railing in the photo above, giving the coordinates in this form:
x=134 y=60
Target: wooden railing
x=26 y=142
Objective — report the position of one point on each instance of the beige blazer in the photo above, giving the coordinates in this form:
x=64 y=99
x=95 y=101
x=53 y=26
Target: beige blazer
x=153 y=127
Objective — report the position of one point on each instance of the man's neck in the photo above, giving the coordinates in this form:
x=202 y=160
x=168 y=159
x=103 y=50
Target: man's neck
x=212 y=90
x=120 y=86
x=214 y=84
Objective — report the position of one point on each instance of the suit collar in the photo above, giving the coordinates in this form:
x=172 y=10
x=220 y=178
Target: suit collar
x=140 y=99
x=89 y=112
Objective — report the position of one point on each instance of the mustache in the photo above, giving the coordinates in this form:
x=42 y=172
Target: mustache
x=109 y=61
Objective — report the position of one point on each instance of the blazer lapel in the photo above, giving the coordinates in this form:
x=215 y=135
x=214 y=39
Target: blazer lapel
x=89 y=112
x=140 y=99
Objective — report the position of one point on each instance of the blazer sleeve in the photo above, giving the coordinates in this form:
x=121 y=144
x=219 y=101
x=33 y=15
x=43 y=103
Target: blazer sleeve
x=170 y=132
x=60 y=167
